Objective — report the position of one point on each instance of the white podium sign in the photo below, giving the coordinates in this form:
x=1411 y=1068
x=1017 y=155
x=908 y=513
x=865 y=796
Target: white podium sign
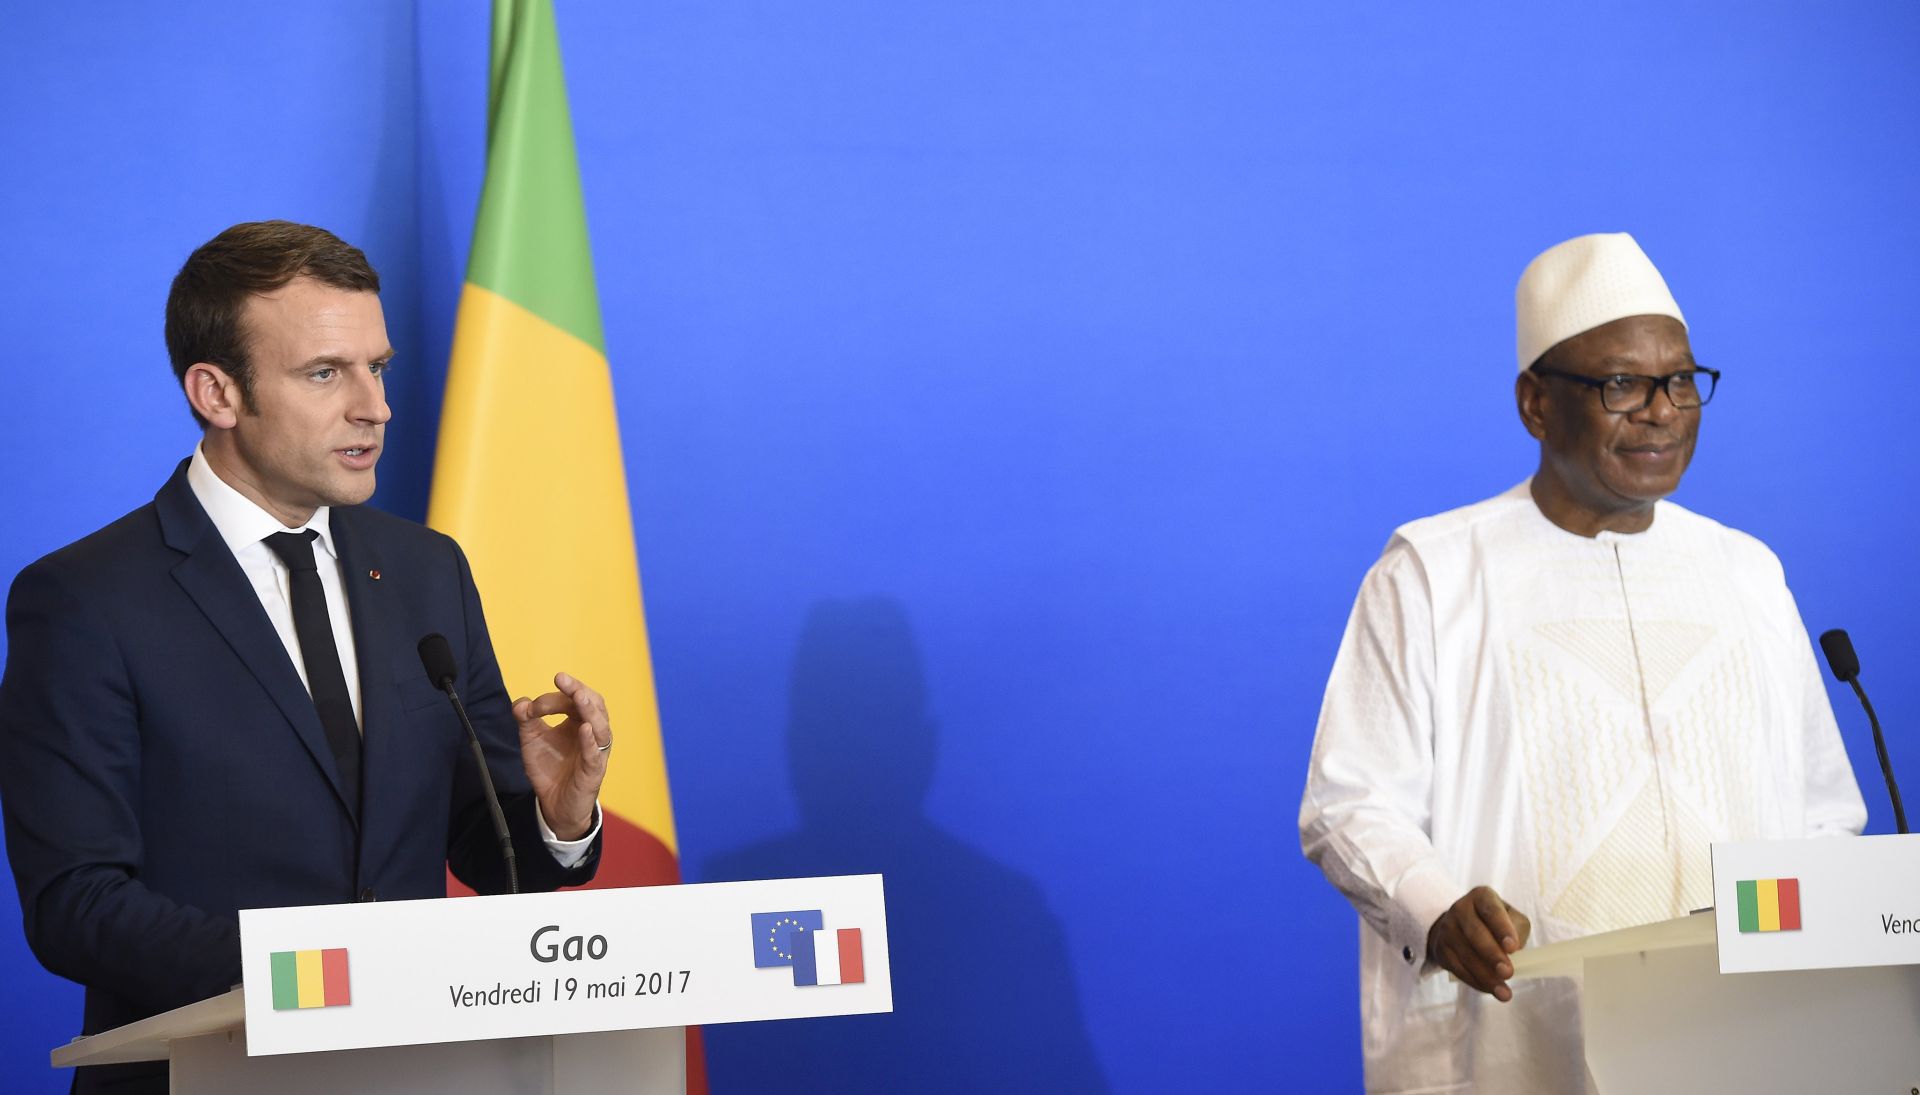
x=411 y=972
x=1824 y=903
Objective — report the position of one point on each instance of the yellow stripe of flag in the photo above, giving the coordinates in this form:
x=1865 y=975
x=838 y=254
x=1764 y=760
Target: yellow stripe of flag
x=1768 y=892
x=312 y=979
x=529 y=479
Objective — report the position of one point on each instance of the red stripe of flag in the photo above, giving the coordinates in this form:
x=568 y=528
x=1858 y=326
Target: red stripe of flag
x=333 y=973
x=1789 y=904
x=853 y=963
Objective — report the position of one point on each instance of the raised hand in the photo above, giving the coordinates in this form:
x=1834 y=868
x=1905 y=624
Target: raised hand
x=565 y=762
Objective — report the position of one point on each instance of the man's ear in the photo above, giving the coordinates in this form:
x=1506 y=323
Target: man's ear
x=213 y=394
x=1530 y=396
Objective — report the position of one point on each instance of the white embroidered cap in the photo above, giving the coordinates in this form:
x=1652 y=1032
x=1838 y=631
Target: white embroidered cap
x=1578 y=285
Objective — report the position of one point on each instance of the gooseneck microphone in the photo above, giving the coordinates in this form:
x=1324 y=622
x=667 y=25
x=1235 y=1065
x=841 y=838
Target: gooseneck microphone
x=1846 y=666
x=437 y=658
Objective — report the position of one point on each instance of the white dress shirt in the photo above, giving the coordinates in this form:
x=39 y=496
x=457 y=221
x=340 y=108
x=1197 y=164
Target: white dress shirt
x=244 y=526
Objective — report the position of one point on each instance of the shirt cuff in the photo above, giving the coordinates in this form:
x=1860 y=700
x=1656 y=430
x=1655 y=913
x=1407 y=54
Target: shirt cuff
x=567 y=853
x=1421 y=898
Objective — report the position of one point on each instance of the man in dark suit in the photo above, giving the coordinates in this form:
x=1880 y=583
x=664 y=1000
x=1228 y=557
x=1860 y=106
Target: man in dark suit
x=215 y=703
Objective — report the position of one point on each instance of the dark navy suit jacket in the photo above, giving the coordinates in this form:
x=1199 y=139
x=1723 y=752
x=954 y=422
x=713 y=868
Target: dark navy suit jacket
x=162 y=767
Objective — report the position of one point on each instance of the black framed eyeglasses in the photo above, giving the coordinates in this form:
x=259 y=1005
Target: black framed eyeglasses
x=1624 y=393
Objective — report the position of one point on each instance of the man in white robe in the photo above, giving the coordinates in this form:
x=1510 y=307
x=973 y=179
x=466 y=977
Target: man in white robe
x=1548 y=705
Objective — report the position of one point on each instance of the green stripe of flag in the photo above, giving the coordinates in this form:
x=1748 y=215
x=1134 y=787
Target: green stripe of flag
x=530 y=238
x=286 y=981
x=1749 y=906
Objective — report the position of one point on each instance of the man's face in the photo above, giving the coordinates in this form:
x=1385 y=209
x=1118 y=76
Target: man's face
x=1607 y=463
x=318 y=414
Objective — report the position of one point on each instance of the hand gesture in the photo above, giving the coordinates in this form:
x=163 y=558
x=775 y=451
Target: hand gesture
x=1472 y=939
x=567 y=762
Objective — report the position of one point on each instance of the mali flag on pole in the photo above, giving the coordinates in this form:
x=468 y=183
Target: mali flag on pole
x=528 y=476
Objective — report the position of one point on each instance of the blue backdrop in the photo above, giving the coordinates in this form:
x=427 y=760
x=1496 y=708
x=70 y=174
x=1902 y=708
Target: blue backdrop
x=1013 y=395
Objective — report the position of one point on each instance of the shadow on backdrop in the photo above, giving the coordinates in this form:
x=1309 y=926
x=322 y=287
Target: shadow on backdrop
x=969 y=937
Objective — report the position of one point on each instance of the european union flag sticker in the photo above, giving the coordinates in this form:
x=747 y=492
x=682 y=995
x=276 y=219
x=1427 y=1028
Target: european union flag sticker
x=773 y=935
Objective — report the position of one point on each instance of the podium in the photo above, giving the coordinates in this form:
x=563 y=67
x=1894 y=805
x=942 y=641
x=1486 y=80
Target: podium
x=1660 y=1015
x=206 y=1047
x=534 y=994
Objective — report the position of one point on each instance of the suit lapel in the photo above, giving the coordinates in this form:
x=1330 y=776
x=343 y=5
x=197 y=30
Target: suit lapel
x=213 y=579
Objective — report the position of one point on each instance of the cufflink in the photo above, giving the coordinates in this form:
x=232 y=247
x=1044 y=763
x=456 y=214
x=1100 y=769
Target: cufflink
x=374 y=574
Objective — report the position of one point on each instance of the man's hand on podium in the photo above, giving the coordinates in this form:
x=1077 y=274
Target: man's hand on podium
x=1472 y=939
x=565 y=763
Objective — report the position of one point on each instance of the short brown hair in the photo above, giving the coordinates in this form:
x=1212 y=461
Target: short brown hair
x=210 y=292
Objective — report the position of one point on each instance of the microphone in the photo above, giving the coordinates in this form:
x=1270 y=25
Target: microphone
x=1840 y=656
x=1846 y=666
x=436 y=657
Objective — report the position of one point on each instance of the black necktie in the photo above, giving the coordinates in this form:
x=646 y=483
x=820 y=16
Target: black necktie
x=314 y=628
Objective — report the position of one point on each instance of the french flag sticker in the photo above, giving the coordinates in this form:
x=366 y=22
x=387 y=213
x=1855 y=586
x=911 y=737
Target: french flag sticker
x=828 y=957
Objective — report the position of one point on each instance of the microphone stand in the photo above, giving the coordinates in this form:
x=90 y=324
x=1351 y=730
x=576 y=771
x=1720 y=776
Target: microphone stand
x=486 y=781
x=1886 y=765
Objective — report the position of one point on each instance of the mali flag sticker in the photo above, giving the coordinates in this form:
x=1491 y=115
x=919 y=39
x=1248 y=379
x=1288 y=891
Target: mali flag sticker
x=1769 y=905
x=310 y=979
